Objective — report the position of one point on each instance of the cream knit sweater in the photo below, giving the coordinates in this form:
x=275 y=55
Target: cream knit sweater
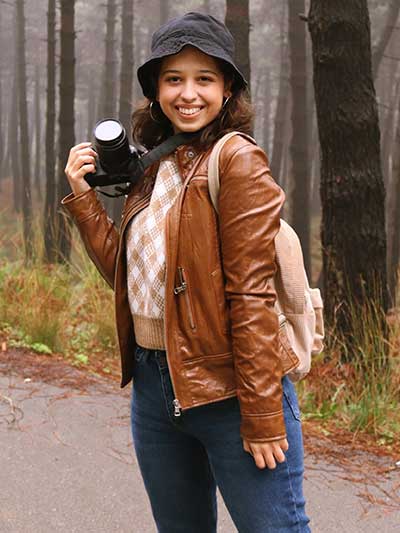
x=145 y=248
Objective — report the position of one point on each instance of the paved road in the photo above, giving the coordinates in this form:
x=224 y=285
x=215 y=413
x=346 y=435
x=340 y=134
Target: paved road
x=67 y=465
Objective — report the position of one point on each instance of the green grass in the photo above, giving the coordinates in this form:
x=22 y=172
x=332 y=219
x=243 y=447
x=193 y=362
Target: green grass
x=53 y=308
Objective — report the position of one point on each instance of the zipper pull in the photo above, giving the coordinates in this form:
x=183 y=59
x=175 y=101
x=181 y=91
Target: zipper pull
x=177 y=407
x=182 y=286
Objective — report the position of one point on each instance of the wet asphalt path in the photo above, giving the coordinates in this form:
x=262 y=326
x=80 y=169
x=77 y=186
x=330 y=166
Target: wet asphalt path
x=67 y=465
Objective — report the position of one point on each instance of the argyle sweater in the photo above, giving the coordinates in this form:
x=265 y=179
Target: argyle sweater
x=145 y=249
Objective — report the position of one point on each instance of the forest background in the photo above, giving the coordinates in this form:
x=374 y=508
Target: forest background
x=325 y=83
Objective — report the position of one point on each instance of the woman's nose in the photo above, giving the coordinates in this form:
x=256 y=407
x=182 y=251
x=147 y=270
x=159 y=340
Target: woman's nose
x=189 y=91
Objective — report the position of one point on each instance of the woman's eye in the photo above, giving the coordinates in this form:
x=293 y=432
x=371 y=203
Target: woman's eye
x=205 y=78
x=173 y=78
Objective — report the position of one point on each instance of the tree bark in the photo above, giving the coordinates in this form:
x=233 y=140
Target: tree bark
x=237 y=19
x=66 y=121
x=300 y=204
x=352 y=190
x=49 y=219
x=24 y=136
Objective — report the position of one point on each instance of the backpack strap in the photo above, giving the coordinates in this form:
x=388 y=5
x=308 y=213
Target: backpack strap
x=289 y=280
x=213 y=165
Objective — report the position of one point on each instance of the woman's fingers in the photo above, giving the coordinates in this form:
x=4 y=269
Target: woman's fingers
x=284 y=445
x=260 y=460
x=81 y=161
x=267 y=453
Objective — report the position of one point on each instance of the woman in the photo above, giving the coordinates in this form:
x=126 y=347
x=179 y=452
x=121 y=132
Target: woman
x=195 y=316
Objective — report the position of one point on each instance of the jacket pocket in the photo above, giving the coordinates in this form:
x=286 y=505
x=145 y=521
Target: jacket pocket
x=183 y=290
x=288 y=356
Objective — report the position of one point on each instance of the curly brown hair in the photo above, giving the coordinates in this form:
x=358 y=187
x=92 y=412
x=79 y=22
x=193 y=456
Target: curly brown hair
x=236 y=115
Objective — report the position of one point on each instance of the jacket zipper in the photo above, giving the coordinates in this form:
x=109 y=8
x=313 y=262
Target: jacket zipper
x=183 y=287
x=175 y=402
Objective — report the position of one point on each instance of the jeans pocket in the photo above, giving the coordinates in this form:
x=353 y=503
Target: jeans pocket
x=289 y=394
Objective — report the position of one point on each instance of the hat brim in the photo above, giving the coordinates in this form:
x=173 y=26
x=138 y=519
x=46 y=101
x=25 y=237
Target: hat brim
x=144 y=71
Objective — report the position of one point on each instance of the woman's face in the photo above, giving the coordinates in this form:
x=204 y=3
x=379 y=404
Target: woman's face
x=191 y=89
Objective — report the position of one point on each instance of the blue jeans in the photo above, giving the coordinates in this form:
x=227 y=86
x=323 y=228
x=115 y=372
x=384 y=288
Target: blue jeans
x=184 y=458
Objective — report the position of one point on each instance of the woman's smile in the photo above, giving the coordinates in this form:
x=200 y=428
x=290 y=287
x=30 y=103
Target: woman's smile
x=189 y=112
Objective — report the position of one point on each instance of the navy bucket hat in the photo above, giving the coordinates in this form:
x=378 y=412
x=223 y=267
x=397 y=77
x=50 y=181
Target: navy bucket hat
x=197 y=29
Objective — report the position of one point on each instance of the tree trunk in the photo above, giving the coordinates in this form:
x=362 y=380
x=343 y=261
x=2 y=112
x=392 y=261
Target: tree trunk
x=13 y=135
x=281 y=106
x=164 y=11
x=394 y=217
x=66 y=120
x=387 y=122
x=237 y=19
x=38 y=137
x=393 y=11
x=266 y=132
x=300 y=205
x=49 y=219
x=24 y=137
x=126 y=83
x=393 y=206
x=92 y=110
x=2 y=135
x=352 y=189
x=110 y=64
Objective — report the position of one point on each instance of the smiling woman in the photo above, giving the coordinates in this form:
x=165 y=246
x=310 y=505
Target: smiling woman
x=198 y=333
x=188 y=91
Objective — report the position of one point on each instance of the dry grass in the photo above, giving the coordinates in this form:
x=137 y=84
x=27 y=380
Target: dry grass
x=70 y=311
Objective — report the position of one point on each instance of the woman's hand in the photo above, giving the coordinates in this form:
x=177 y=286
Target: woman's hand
x=81 y=160
x=265 y=453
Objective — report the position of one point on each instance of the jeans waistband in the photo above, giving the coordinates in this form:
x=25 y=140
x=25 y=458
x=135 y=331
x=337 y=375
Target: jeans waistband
x=143 y=354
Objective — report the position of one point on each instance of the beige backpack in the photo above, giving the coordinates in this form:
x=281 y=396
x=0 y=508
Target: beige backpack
x=299 y=307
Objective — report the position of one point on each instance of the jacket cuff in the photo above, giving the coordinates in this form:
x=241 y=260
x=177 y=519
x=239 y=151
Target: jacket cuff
x=83 y=205
x=263 y=427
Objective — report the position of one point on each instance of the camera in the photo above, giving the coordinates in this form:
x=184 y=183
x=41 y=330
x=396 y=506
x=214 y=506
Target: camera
x=118 y=161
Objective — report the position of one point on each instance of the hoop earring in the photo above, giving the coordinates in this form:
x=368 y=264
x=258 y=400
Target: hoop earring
x=224 y=104
x=151 y=113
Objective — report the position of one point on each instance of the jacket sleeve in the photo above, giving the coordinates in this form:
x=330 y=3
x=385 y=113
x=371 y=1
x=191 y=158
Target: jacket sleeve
x=250 y=202
x=97 y=230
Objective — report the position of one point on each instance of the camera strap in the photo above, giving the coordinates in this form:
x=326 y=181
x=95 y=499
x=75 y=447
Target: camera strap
x=149 y=158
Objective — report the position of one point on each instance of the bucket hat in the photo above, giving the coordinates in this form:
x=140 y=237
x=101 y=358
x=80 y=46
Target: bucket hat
x=197 y=29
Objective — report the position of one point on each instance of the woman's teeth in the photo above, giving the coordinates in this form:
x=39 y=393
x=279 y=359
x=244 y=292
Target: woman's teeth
x=192 y=111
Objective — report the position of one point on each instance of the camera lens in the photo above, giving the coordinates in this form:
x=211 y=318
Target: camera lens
x=112 y=146
x=108 y=131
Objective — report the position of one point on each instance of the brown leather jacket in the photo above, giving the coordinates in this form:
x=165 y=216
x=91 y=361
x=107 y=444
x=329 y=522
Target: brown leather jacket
x=221 y=329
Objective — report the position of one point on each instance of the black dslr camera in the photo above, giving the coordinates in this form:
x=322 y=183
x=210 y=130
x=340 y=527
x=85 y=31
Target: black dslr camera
x=118 y=161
